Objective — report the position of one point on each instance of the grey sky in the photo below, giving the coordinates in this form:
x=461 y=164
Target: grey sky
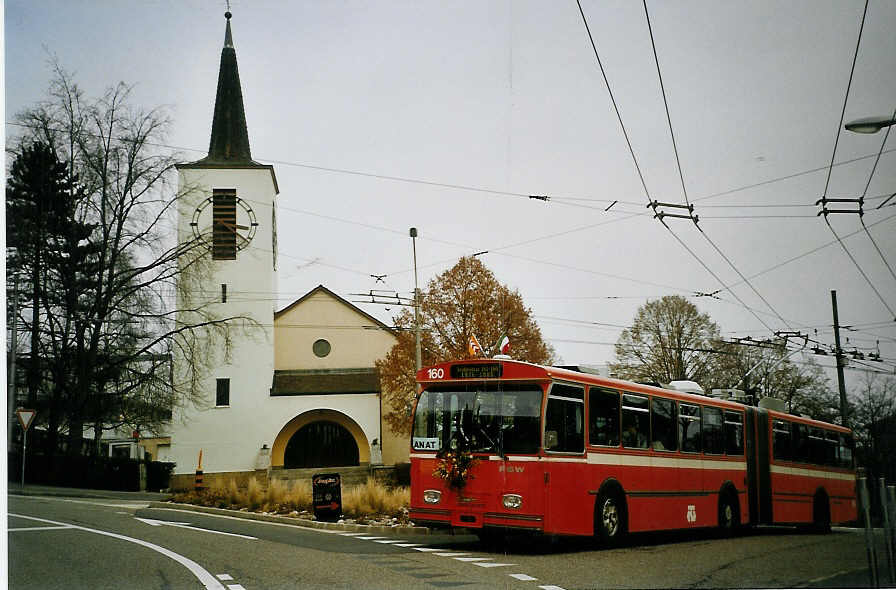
x=507 y=96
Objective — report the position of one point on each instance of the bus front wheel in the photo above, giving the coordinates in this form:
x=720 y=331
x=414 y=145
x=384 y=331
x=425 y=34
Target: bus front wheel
x=609 y=518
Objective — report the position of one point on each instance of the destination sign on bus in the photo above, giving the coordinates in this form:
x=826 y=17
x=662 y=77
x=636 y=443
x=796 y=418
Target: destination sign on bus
x=478 y=371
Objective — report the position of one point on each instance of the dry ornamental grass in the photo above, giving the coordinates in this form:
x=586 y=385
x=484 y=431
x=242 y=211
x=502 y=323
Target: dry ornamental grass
x=367 y=502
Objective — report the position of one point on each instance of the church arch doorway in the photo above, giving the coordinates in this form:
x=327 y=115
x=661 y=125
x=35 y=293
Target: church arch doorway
x=317 y=437
x=321 y=444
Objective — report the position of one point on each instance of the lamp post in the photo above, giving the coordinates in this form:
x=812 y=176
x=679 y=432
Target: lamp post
x=870 y=124
x=418 y=353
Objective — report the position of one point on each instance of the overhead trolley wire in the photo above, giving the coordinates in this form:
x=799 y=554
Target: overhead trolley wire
x=685 y=193
x=831 y=166
x=865 y=192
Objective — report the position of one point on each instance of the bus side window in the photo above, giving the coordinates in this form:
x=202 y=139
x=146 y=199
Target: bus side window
x=781 y=440
x=800 y=443
x=713 y=441
x=816 y=446
x=830 y=448
x=635 y=421
x=734 y=433
x=603 y=411
x=663 y=420
x=846 y=451
x=689 y=428
x=564 y=424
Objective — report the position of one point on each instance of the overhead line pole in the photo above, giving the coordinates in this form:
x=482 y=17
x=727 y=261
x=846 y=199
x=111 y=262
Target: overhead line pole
x=841 y=383
x=417 y=349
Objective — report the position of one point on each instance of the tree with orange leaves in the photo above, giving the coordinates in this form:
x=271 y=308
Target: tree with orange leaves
x=466 y=300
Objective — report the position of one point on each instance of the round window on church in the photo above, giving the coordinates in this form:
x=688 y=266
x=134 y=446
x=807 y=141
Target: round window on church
x=321 y=348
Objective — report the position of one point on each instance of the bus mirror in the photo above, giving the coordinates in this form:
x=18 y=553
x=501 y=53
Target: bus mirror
x=550 y=439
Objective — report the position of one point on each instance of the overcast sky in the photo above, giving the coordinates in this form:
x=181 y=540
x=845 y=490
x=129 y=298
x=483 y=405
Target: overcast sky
x=507 y=96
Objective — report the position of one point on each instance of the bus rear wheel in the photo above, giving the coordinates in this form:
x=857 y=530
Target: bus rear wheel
x=821 y=514
x=729 y=514
x=609 y=518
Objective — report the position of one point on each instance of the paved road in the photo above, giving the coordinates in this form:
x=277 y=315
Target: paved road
x=70 y=543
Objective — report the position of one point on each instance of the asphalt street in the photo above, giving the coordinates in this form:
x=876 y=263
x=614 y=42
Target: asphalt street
x=64 y=542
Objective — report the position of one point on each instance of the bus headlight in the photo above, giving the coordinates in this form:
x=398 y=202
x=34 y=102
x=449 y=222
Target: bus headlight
x=432 y=496
x=512 y=501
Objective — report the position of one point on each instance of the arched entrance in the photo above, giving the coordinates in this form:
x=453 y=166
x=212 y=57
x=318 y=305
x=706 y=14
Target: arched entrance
x=320 y=435
x=320 y=444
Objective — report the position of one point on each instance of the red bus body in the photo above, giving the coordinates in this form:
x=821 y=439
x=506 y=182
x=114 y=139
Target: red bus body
x=658 y=489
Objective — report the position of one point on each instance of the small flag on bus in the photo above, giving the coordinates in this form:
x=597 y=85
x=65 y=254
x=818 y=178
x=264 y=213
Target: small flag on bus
x=504 y=345
x=474 y=349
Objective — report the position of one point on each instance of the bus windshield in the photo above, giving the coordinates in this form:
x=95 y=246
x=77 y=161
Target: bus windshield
x=479 y=419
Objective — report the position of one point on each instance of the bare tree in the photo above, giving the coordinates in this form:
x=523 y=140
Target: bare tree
x=466 y=300
x=117 y=296
x=669 y=340
x=875 y=424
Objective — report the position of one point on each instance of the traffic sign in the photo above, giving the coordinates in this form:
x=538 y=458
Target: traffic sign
x=26 y=417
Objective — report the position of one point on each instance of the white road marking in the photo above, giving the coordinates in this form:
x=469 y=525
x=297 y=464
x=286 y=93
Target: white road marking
x=371 y=538
x=522 y=577
x=388 y=541
x=224 y=577
x=551 y=588
x=197 y=570
x=427 y=549
x=235 y=587
x=188 y=526
x=123 y=504
x=493 y=564
x=408 y=545
x=38 y=528
x=350 y=534
x=450 y=554
x=473 y=559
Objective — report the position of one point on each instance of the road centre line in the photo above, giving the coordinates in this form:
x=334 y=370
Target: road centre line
x=494 y=564
x=450 y=554
x=408 y=544
x=427 y=549
x=549 y=587
x=389 y=541
x=224 y=577
x=473 y=559
x=197 y=570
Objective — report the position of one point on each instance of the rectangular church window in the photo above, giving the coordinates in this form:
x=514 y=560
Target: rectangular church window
x=223 y=224
x=222 y=394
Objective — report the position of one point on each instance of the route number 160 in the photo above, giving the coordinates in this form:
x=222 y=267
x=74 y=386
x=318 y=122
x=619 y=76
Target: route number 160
x=437 y=373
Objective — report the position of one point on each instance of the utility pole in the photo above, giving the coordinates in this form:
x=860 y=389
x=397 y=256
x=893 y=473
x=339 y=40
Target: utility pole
x=418 y=351
x=13 y=342
x=839 y=353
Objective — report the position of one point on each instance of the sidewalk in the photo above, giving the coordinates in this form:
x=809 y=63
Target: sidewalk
x=14 y=489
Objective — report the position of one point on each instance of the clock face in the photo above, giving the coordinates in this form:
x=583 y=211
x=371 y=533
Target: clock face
x=225 y=222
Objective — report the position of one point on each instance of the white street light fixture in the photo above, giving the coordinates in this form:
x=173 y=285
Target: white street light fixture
x=869 y=124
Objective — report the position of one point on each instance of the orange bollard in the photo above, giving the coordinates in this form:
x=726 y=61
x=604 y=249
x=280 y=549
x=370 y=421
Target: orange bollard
x=198 y=485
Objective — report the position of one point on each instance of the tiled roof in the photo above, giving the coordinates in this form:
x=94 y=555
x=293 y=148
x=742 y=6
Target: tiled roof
x=321 y=382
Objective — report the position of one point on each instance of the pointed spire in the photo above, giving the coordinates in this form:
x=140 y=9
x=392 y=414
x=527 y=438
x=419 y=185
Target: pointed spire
x=230 y=138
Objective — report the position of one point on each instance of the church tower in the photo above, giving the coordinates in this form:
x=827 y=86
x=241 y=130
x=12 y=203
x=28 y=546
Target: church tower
x=227 y=216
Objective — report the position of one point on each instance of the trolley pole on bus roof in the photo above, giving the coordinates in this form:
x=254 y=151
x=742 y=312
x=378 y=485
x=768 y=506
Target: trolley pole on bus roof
x=418 y=355
x=839 y=355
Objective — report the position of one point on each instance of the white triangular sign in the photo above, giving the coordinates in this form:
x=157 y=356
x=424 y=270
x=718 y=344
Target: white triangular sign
x=26 y=417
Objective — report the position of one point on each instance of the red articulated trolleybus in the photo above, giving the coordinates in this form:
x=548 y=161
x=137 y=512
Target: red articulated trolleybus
x=501 y=444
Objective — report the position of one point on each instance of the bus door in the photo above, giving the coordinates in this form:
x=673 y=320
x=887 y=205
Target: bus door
x=568 y=506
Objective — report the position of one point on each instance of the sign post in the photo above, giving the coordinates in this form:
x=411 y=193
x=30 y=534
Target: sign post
x=26 y=417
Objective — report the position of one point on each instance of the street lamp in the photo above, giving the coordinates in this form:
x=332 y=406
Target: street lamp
x=869 y=124
x=417 y=352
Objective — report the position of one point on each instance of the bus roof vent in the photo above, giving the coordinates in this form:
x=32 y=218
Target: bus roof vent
x=728 y=393
x=773 y=403
x=687 y=387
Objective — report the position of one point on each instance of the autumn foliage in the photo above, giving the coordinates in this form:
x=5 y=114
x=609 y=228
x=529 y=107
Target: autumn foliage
x=463 y=301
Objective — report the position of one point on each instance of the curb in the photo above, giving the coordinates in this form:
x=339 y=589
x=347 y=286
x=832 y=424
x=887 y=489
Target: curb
x=302 y=522
x=80 y=493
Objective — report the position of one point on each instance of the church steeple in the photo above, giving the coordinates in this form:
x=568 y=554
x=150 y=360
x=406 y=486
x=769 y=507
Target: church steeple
x=230 y=138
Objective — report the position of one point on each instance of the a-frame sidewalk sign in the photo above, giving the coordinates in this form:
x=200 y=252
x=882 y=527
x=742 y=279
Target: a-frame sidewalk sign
x=26 y=417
